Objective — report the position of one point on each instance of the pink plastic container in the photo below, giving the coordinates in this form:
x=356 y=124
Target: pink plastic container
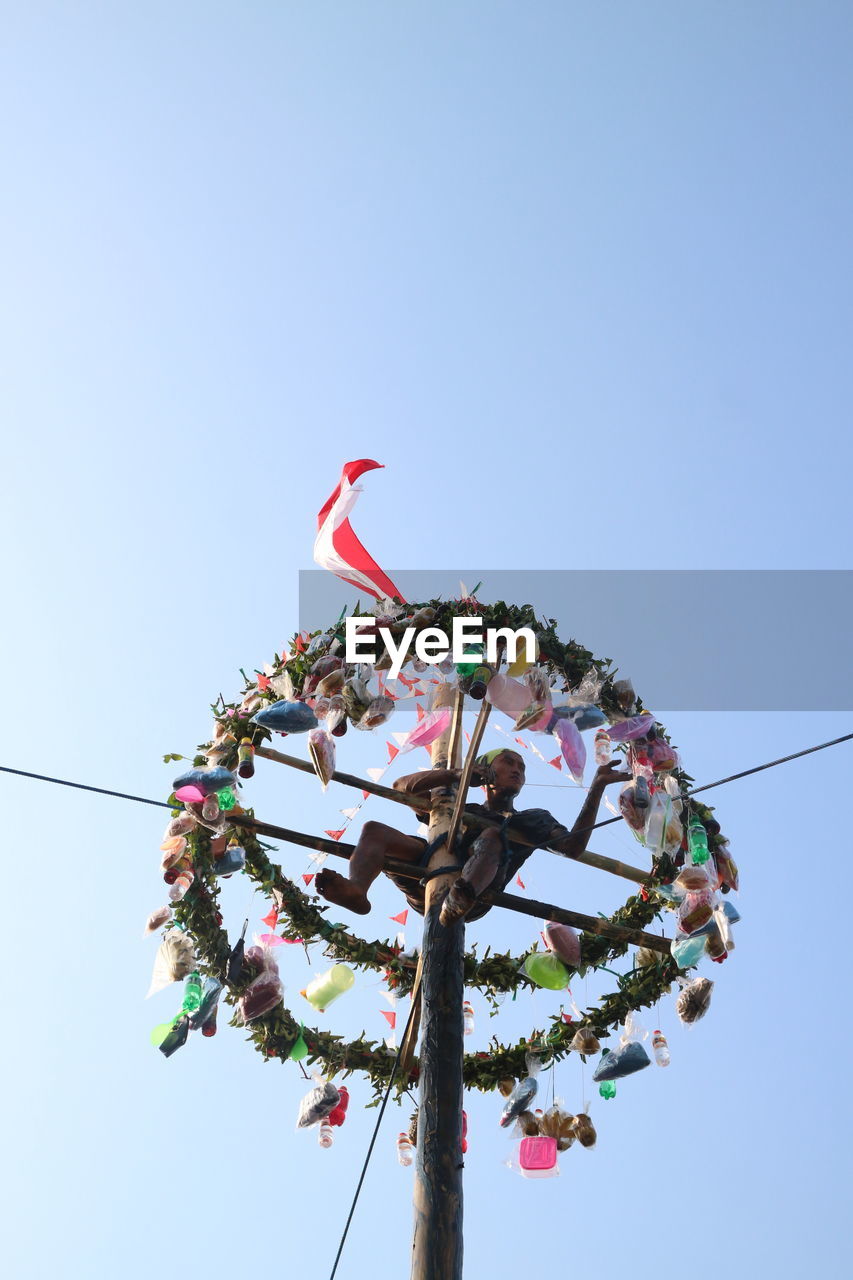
x=538 y=1157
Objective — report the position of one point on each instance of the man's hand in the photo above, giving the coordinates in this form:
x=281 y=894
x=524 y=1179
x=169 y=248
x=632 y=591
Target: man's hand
x=610 y=772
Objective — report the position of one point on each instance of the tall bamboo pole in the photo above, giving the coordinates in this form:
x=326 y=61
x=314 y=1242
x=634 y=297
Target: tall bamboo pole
x=437 y=1240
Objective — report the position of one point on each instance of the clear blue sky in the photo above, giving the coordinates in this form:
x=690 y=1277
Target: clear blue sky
x=579 y=275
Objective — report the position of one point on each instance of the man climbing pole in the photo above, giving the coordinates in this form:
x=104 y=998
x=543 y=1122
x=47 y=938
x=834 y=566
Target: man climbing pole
x=489 y=858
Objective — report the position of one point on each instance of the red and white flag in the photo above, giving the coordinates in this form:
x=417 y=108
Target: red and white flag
x=336 y=547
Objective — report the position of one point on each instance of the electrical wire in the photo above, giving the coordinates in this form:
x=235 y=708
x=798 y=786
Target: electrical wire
x=372 y=1144
x=164 y=804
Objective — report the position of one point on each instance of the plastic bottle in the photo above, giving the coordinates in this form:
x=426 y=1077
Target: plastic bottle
x=468 y=1018
x=479 y=682
x=326 y=1134
x=181 y=884
x=246 y=758
x=192 y=993
x=660 y=1049
x=603 y=746
x=607 y=1089
x=209 y=1025
x=641 y=792
x=210 y=808
x=405 y=1150
x=326 y=987
x=697 y=841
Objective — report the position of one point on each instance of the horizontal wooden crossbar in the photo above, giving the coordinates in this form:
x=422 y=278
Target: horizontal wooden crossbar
x=481 y=821
x=543 y=910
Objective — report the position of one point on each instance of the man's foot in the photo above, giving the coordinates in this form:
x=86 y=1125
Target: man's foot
x=336 y=888
x=461 y=897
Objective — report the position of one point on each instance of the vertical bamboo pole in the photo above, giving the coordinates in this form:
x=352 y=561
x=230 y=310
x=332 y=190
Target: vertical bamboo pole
x=437 y=1241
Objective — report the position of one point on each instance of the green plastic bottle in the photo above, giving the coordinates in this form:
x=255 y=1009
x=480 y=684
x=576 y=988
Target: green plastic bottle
x=607 y=1088
x=697 y=842
x=192 y=993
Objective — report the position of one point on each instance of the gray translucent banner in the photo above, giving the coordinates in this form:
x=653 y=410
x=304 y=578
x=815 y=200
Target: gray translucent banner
x=698 y=640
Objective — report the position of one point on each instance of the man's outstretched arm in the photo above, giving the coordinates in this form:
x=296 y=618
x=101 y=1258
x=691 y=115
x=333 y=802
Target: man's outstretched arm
x=575 y=843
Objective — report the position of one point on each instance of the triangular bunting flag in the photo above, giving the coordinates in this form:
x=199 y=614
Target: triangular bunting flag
x=391 y=997
x=467 y=735
x=392 y=1017
x=374 y=774
x=390 y=1042
x=365 y=794
x=392 y=751
x=350 y=813
x=420 y=711
x=336 y=835
x=270 y=919
x=401 y=918
x=399 y=738
x=263 y=683
x=521 y=742
x=308 y=876
x=557 y=763
x=520 y=882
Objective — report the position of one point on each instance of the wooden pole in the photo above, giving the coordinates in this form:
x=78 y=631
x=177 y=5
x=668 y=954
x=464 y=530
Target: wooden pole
x=437 y=1240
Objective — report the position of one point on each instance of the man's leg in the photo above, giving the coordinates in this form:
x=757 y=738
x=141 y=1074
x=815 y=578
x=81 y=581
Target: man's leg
x=376 y=843
x=480 y=870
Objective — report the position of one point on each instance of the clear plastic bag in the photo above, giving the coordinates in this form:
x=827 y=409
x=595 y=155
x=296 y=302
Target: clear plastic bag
x=572 y=746
x=286 y=717
x=634 y=727
x=629 y=1056
x=522 y=1094
x=156 y=920
x=584 y=1129
x=694 y=999
x=635 y=818
x=265 y=990
x=558 y=1123
x=378 y=712
x=321 y=749
x=174 y=960
x=564 y=941
x=319 y=1103
x=585 y=1041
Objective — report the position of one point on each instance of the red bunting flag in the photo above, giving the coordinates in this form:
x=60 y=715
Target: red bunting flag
x=391 y=1016
x=336 y=835
x=401 y=918
x=521 y=741
x=271 y=918
x=557 y=763
x=263 y=682
x=421 y=713
x=392 y=751
x=337 y=548
x=365 y=794
x=520 y=882
x=308 y=876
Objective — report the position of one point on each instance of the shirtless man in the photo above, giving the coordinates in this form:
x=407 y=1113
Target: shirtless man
x=490 y=858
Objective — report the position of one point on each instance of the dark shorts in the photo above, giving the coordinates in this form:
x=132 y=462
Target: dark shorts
x=413 y=890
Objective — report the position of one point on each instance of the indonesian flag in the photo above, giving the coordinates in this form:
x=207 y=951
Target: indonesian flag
x=338 y=549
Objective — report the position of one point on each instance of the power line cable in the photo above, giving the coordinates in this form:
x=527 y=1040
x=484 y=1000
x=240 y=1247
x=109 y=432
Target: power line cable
x=163 y=804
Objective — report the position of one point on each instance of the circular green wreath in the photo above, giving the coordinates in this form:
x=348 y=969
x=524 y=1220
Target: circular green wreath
x=276 y=1033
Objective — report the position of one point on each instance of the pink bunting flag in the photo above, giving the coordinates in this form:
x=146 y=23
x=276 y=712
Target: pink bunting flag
x=401 y=918
x=391 y=1016
x=336 y=547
